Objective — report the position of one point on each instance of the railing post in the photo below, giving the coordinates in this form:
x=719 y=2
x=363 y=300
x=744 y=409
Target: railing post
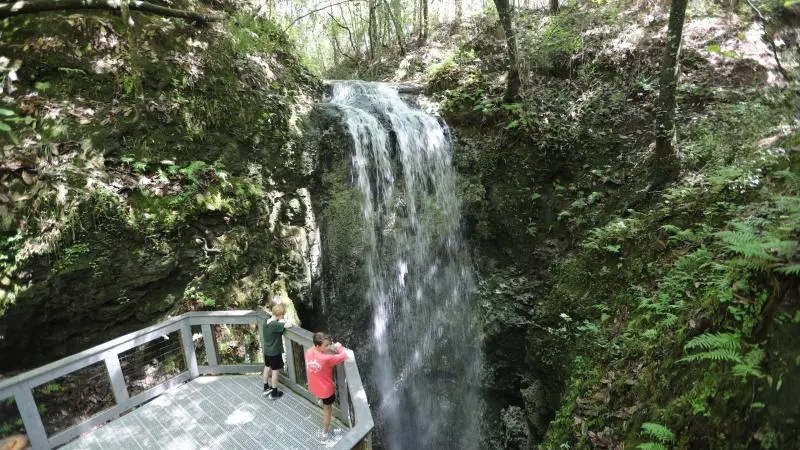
x=34 y=427
x=188 y=349
x=208 y=342
x=342 y=394
x=289 y=349
x=118 y=384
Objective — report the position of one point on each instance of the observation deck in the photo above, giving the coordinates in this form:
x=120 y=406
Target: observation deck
x=191 y=382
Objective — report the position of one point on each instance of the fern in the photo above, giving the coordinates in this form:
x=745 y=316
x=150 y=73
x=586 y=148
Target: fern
x=660 y=432
x=720 y=354
x=789 y=269
x=708 y=341
x=651 y=446
x=725 y=347
x=749 y=367
x=790 y=178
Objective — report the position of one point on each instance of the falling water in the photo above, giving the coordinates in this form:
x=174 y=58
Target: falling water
x=425 y=360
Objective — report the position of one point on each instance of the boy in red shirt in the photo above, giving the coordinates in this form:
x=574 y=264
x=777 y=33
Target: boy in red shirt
x=319 y=367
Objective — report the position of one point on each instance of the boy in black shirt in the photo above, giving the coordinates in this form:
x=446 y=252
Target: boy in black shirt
x=272 y=344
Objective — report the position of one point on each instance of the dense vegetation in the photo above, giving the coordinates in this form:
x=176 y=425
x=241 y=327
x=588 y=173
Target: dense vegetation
x=653 y=317
x=617 y=312
x=145 y=167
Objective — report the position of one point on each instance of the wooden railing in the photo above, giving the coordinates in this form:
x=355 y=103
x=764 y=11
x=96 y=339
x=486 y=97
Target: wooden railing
x=352 y=408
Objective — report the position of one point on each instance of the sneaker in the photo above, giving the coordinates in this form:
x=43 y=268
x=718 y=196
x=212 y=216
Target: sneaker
x=267 y=389
x=275 y=394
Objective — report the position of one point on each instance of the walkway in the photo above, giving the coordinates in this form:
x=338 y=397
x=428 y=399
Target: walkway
x=178 y=385
x=223 y=412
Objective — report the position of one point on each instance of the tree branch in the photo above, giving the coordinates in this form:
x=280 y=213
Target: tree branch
x=771 y=41
x=336 y=41
x=291 y=24
x=16 y=8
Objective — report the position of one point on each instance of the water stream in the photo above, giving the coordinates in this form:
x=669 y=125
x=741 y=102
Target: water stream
x=425 y=360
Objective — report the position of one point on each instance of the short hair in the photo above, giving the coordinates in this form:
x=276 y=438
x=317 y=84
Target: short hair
x=320 y=337
x=278 y=310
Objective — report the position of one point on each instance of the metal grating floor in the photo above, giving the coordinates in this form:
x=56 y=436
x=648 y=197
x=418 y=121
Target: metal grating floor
x=214 y=412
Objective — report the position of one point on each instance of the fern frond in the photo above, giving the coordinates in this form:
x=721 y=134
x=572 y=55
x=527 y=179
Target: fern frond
x=745 y=243
x=658 y=431
x=790 y=178
x=709 y=341
x=670 y=228
x=720 y=354
x=753 y=264
x=669 y=320
x=651 y=446
x=789 y=269
x=745 y=370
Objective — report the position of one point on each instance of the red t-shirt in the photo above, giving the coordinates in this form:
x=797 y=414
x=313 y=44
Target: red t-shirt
x=319 y=367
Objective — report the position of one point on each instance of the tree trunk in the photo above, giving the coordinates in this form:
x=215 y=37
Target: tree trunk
x=665 y=161
x=505 y=11
x=459 y=13
x=398 y=28
x=424 y=35
x=371 y=30
x=553 y=6
x=35 y=6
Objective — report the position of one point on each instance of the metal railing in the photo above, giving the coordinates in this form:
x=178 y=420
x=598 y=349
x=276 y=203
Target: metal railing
x=352 y=408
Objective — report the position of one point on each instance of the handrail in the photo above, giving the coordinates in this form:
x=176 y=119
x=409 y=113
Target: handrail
x=353 y=408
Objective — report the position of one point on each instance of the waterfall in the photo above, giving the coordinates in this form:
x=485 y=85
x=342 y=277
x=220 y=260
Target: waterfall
x=425 y=358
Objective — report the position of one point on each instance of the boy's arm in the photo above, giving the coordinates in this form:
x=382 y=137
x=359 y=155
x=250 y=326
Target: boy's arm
x=341 y=354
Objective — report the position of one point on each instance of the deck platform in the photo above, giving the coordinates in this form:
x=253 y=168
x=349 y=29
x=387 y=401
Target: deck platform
x=215 y=412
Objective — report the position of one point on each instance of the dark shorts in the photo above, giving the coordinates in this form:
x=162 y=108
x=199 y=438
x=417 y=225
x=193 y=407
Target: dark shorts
x=329 y=400
x=273 y=362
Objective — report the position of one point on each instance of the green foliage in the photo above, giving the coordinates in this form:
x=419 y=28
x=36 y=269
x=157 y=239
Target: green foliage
x=52 y=388
x=194 y=171
x=661 y=433
x=658 y=431
x=251 y=34
x=6 y=115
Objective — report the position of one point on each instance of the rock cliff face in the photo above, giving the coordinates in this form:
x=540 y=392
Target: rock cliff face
x=156 y=168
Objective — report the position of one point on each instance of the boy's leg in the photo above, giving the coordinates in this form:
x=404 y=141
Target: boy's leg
x=267 y=387
x=275 y=378
x=327 y=412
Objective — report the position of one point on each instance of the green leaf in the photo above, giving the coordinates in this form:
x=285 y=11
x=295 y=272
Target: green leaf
x=651 y=446
x=789 y=269
x=512 y=124
x=6 y=112
x=714 y=48
x=4 y=127
x=660 y=432
x=42 y=85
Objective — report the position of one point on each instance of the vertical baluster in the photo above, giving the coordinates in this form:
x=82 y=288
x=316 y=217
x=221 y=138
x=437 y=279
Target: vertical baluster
x=211 y=348
x=118 y=385
x=34 y=427
x=188 y=349
x=289 y=348
x=342 y=394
